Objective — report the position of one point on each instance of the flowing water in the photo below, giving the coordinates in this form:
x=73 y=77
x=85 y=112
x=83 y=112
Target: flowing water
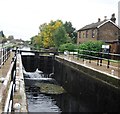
x=37 y=101
x=41 y=103
x=44 y=102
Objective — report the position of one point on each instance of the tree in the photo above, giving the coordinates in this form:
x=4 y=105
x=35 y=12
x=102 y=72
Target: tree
x=53 y=34
x=60 y=36
x=71 y=31
x=47 y=31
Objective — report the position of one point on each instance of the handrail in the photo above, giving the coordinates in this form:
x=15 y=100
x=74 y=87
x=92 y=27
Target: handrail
x=9 y=101
x=4 y=55
x=37 y=52
x=6 y=109
x=94 y=55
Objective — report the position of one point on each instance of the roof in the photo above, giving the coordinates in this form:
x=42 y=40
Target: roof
x=96 y=25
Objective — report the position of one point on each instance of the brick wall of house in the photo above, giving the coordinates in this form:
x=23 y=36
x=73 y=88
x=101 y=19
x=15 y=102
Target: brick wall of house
x=82 y=36
x=108 y=32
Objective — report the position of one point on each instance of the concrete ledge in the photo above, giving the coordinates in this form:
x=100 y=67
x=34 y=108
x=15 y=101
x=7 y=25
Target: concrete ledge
x=92 y=72
x=20 y=87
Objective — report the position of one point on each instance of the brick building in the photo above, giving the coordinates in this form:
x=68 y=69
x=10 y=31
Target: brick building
x=106 y=31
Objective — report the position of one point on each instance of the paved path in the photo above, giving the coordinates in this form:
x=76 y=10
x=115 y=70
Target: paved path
x=19 y=94
x=3 y=72
x=113 y=70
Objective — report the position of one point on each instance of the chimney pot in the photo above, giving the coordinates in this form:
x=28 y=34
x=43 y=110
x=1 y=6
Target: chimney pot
x=105 y=18
x=113 y=18
x=99 y=20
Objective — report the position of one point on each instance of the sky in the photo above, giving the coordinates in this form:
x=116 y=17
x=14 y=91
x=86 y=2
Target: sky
x=22 y=18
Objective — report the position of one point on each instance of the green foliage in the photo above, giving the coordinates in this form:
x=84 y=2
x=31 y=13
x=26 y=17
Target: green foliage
x=54 y=34
x=90 y=46
x=68 y=46
x=71 y=31
x=60 y=36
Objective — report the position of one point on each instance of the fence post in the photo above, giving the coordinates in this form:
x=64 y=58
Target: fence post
x=83 y=56
x=100 y=58
x=90 y=57
x=108 y=56
x=78 y=55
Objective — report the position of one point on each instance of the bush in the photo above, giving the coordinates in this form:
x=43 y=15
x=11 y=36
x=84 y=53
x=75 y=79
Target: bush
x=68 y=47
x=91 y=46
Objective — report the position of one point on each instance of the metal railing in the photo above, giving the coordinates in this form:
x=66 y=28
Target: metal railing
x=99 y=57
x=9 y=101
x=4 y=55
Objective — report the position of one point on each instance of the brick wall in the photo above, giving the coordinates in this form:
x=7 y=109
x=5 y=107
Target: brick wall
x=83 y=38
x=108 y=32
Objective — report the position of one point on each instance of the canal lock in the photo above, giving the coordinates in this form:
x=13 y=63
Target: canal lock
x=41 y=71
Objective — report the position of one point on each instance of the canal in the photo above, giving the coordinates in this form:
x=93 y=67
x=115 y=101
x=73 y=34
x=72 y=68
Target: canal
x=44 y=102
x=85 y=90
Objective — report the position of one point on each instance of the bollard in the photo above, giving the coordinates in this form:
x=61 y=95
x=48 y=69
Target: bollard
x=17 y=107
x=85 y=63
x=112 y=72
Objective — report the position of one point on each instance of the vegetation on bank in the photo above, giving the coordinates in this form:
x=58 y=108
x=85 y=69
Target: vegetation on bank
x=54 y=34
x=61 y=36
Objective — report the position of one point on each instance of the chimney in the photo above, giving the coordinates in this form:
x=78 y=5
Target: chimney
x=105 y=18
x=113 y=19
x=99 y=20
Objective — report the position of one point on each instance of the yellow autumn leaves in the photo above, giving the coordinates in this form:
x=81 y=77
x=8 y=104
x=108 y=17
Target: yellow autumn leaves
x=45 y=36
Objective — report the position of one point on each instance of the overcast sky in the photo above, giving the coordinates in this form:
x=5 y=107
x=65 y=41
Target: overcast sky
x=22 y=18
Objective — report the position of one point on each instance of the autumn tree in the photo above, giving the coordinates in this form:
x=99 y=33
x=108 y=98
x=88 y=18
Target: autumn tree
x=53 y=34
x=47 y=31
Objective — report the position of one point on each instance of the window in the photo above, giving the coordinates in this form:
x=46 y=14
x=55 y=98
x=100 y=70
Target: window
x=83 y=35
x=79 y=34
x=87 y=34
x=93 y=33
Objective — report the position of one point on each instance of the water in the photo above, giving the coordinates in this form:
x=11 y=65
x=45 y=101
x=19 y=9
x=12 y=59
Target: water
x=39 y=102
x=26 y=49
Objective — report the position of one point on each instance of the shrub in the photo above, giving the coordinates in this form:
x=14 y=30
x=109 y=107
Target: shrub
x=68 y=47
x=91 y=46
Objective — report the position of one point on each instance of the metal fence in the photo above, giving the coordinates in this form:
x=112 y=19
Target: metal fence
x=4 y=55
x=12 y=72
x=101 y=58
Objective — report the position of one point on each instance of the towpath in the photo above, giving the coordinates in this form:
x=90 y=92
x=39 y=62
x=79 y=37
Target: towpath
x=113 y=70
